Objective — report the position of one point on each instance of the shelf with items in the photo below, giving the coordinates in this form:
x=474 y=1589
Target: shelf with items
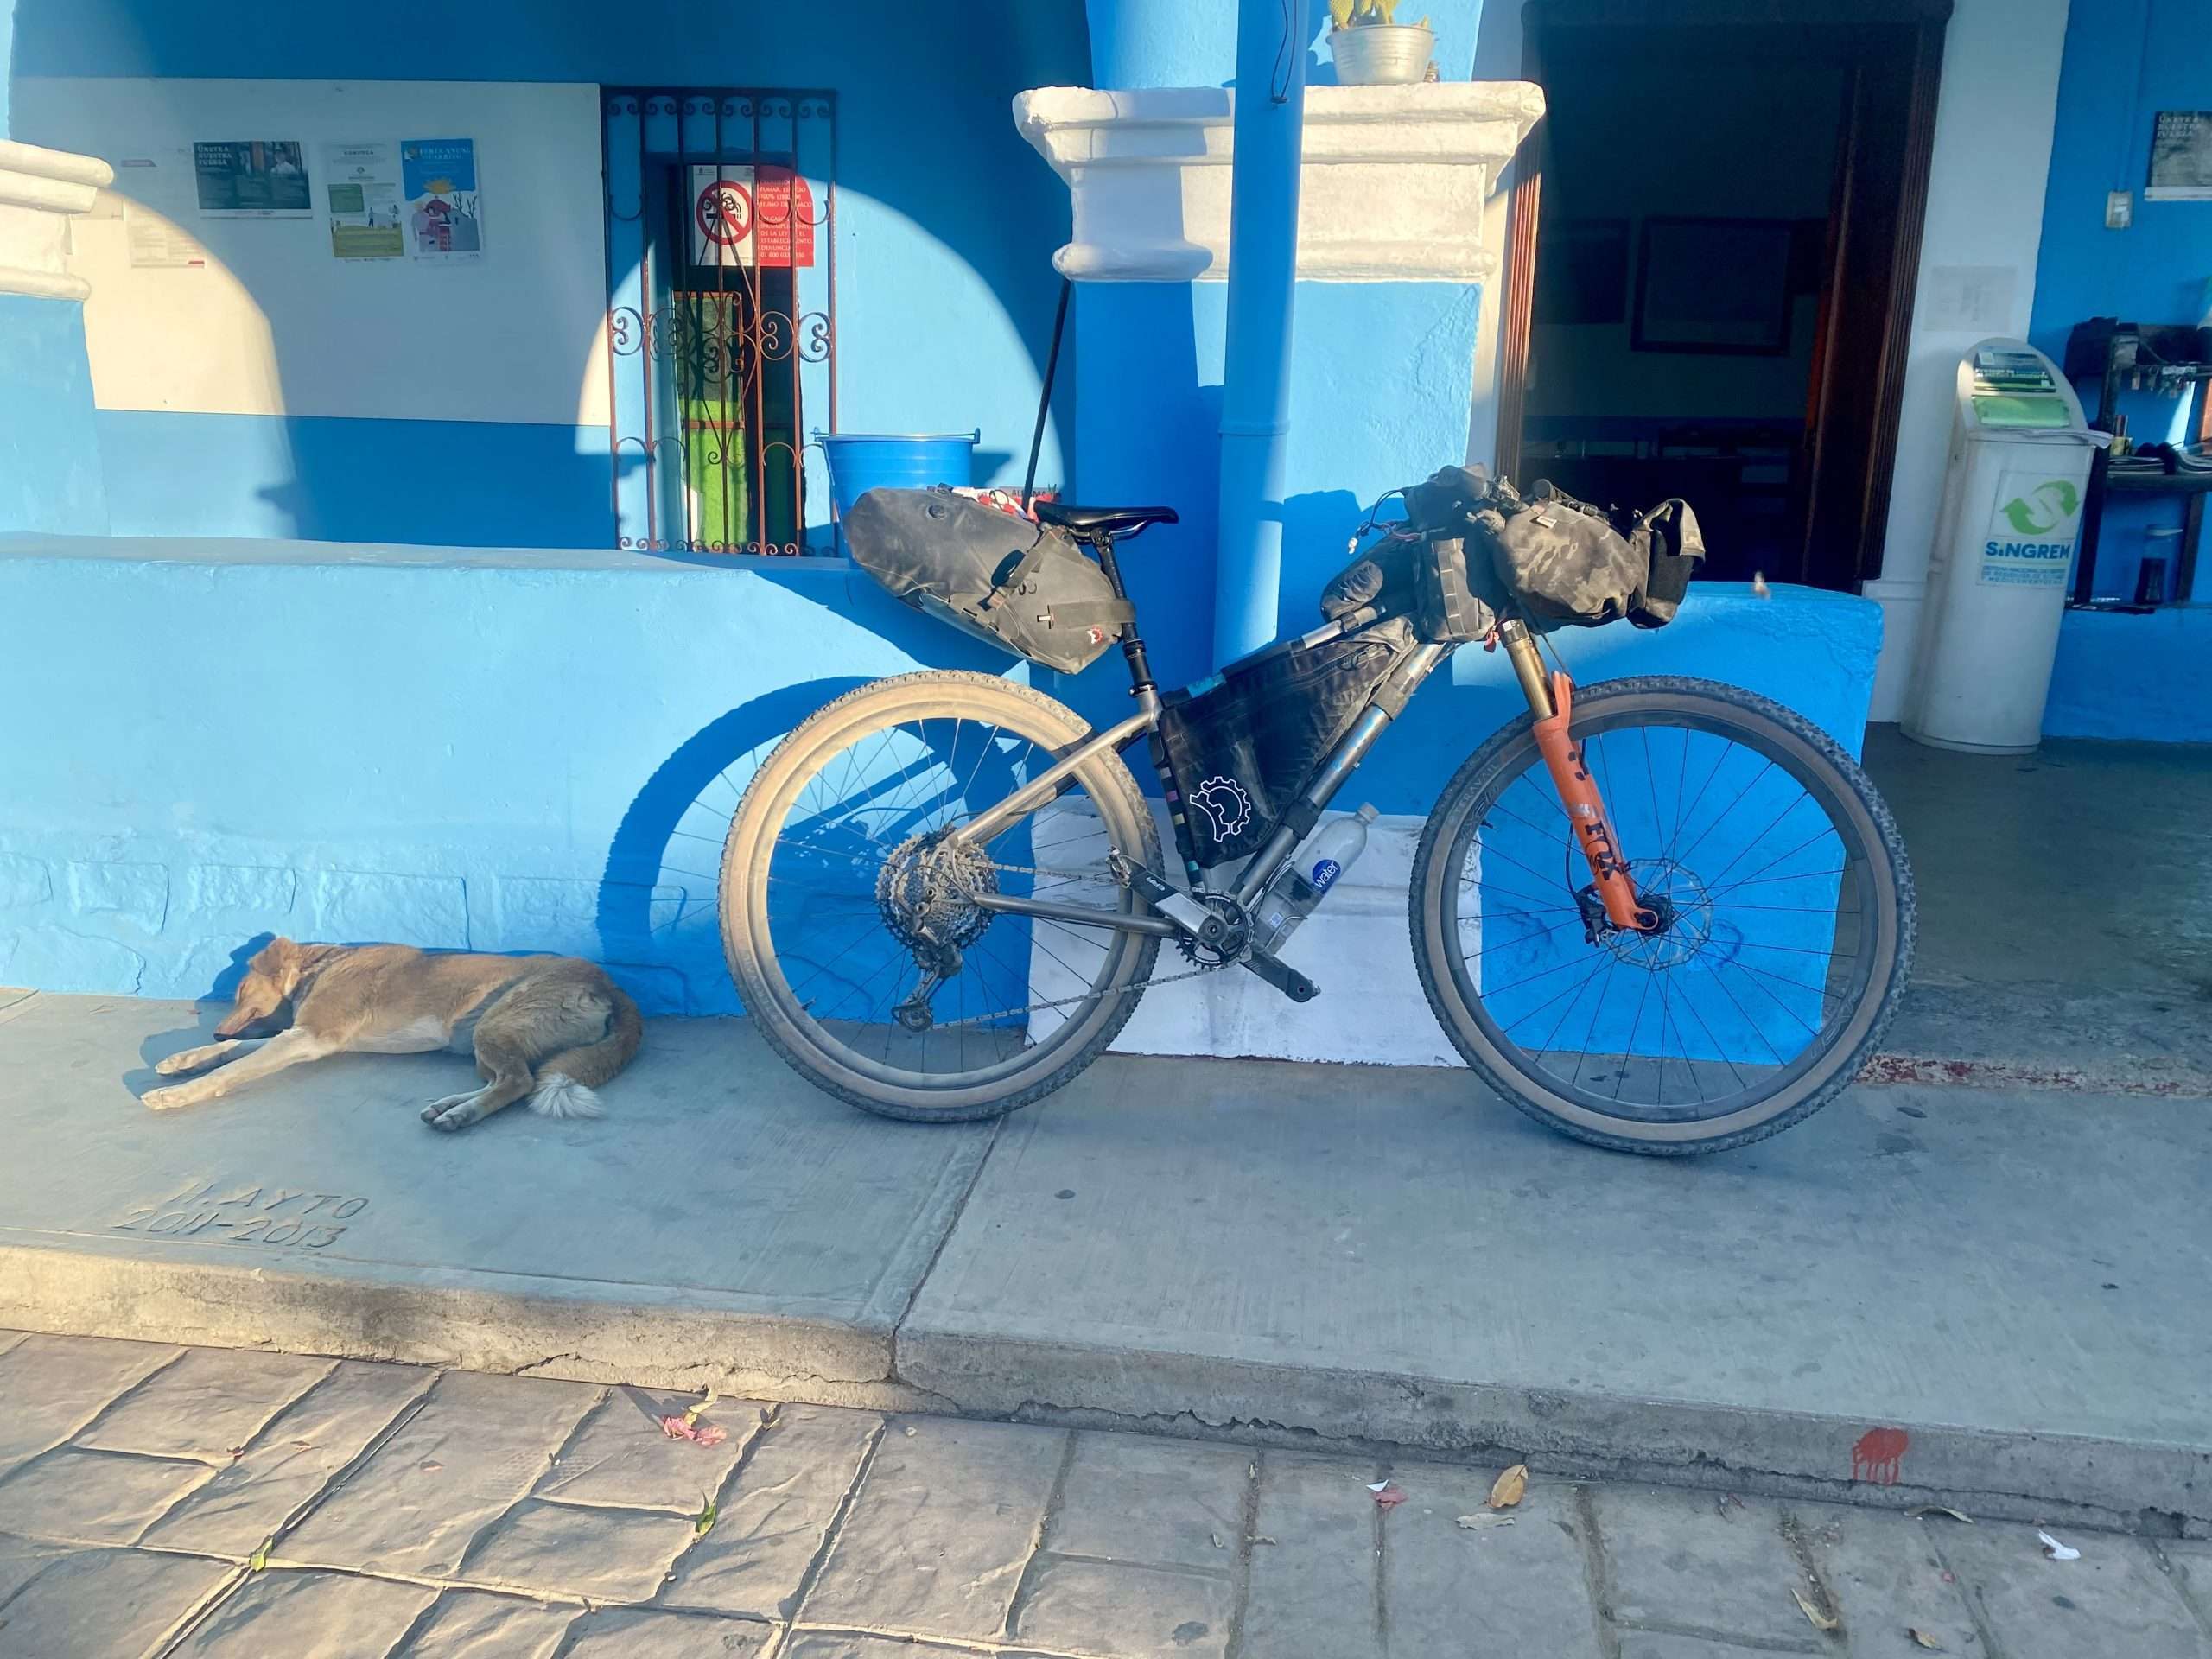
x=2172 y=357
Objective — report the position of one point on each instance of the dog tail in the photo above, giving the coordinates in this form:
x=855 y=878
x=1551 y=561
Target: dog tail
x=565 y=1080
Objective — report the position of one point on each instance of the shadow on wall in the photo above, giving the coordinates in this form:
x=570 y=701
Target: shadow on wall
x=659 y=917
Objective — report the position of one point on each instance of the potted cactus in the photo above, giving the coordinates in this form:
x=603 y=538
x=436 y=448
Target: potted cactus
x=1372 y=49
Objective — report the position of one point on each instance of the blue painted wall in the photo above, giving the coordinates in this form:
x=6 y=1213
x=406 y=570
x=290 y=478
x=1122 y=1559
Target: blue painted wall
x=501 y=751
x=947 y=220
x=2125 y=61
x=459 y=483
x=1193 y=42
x=520 y=750
x=49 y=455
x=2117 y=676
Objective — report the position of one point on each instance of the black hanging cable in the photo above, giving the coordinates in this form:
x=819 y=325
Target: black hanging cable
x=1279 y=90
x=1045 y=400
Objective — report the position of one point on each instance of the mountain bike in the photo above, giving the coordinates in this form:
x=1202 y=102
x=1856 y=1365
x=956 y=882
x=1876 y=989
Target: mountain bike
x=1661 y=914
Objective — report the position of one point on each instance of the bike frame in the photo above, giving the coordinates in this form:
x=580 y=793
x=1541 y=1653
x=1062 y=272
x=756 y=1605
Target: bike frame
x=1551 y=702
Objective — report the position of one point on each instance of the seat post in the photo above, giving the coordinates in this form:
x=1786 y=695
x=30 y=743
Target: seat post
x=1141 y=680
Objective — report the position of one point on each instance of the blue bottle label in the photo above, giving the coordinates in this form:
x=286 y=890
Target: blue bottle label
x=1325 y=871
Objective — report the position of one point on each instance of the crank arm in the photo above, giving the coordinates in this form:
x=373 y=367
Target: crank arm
x=1281 y=975
x=1190 y=917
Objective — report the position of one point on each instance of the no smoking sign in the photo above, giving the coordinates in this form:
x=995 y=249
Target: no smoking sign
x=752 y=217
x=724 y=214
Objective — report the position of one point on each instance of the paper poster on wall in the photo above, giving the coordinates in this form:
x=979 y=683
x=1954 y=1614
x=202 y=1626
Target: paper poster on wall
x=361 y=184
x=752 y=217
x=445 y=211
x=2032 y=530
x=252 y=178
x=156 y=191
x=2181 y=157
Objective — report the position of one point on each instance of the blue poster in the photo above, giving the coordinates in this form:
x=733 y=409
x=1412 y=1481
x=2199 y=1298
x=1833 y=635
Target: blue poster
x=445 y=213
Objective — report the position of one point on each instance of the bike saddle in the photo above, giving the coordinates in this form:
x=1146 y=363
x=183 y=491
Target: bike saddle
x=1115 y=521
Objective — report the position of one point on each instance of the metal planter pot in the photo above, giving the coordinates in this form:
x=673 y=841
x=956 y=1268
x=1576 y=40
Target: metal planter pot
x=1382 y=55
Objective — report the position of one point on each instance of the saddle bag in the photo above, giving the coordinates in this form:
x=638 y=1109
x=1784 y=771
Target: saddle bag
x=1021 y=586
x=1241 y=745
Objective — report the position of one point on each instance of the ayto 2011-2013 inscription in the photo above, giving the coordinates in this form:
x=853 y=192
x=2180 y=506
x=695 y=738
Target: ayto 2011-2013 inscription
x=242 y=1213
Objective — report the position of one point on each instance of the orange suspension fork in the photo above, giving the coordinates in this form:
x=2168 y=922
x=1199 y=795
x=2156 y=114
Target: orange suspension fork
x=1551 y=700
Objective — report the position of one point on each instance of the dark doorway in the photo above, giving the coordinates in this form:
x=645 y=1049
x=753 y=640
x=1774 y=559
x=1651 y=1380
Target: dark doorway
x=1716 y=230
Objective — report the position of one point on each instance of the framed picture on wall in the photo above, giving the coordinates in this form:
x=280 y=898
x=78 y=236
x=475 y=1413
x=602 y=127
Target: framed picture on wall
x=1713 y=285
x=1582 y=270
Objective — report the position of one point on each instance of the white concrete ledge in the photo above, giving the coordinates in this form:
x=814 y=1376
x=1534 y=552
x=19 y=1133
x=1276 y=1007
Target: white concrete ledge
x=40 y=188
x=1395 y=178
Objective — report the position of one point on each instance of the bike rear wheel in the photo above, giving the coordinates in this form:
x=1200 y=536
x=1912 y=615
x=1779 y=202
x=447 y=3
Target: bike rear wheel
x=1789 y=932
x=838 y=883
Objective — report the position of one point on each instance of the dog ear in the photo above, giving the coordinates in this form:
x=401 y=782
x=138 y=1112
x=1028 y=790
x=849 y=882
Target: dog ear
x=279 y=960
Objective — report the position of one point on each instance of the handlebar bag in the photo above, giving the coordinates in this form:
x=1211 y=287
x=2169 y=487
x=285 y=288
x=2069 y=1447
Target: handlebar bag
x=1021 y=586
x=1568 y=562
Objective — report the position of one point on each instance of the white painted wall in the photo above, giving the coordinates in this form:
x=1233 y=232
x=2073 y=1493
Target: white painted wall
x=1993 y=121
x=274 y=324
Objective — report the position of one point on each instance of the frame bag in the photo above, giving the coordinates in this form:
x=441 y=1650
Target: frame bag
x=1240 y=746
x=1024 y=587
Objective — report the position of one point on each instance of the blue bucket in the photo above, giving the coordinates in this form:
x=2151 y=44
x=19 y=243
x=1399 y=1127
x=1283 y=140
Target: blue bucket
x=861 y=462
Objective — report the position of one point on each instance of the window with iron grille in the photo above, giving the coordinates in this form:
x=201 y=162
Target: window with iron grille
x=721 y=316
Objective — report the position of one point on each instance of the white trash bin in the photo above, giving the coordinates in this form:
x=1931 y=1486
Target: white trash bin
x=1998 y=576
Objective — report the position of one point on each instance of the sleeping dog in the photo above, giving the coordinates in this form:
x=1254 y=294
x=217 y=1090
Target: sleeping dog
x=550 y=1028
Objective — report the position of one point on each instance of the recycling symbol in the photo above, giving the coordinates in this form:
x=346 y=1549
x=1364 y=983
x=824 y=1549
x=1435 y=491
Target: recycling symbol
x=2043 y=509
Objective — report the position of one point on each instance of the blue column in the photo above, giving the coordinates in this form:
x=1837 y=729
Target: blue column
x=1262 y=265
x=50 y=477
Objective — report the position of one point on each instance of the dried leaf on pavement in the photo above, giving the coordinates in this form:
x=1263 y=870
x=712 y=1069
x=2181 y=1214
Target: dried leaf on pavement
x=1509 y=1487
x=1482 y=1520
x=2057 y=1551
x=1922 y=1639
x=691 y=1414
x=703 y=1523
x=1819 y=1620
x=1389 y=1497
x=1940 y=1509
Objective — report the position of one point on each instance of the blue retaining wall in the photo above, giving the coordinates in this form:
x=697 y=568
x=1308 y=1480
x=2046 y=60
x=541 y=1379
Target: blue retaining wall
x=947 y=220
x=49 y=456
x=503 y=750
x=511 y=750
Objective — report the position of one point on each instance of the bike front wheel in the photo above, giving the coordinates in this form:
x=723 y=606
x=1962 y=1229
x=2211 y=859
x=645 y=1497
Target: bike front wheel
x=1787 y=913
x=842 y=895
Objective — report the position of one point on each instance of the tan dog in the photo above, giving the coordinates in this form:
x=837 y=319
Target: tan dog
x=550 y=1028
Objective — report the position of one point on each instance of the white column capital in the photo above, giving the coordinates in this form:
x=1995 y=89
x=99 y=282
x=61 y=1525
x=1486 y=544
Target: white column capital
x=39 y=190
x=1394 y=180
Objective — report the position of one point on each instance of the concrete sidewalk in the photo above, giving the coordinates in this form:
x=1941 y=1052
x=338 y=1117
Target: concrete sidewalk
x=1921 y=1295
x=205 y=1504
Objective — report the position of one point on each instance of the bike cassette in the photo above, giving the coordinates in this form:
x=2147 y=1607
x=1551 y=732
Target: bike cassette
x=926 y=892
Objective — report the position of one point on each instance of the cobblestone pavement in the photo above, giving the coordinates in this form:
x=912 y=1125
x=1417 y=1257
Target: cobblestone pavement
x=163 y=1501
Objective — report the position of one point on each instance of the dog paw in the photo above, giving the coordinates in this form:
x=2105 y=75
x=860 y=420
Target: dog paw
x=189 y=1059
x=454 y=1112
x=164 y=1100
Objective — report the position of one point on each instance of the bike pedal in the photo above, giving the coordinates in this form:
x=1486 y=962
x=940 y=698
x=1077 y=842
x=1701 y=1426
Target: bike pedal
x=1284 y=977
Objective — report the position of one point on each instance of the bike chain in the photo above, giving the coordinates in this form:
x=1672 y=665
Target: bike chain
x=1083 y=996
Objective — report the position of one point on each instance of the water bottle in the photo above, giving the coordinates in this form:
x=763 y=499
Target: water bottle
x=1290 y=899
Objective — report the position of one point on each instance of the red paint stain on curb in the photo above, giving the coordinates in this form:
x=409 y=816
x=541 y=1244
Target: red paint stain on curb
x=1876 y=1455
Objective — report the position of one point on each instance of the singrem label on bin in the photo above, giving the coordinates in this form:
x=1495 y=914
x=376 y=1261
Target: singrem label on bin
x=2031 y=528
